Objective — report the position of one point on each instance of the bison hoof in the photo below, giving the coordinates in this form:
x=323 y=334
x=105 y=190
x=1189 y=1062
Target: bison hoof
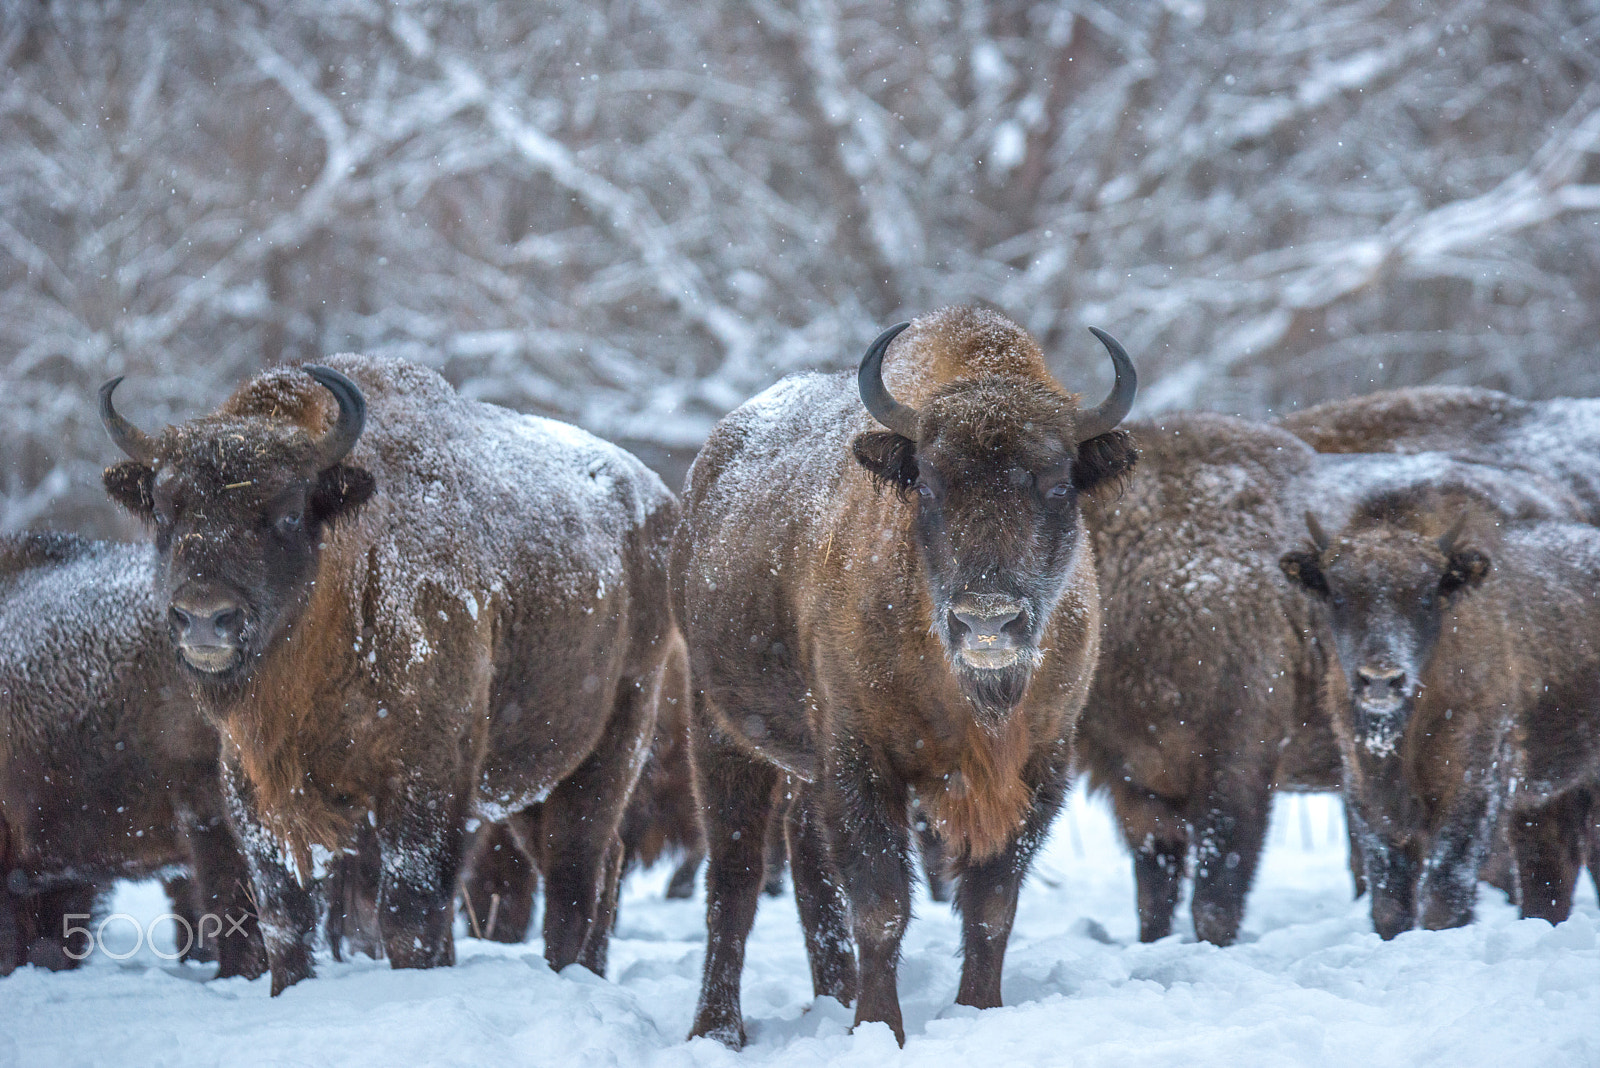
x=286 y=973
x=729 y=1032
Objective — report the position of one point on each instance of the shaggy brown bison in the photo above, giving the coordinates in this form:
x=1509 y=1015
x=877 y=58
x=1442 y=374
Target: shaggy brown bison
x=1555 y=441
x=882 y=613
x=1470 y=649
x=459 y=611
x=1205 y=700
x=107 y=770
x=1208 y=693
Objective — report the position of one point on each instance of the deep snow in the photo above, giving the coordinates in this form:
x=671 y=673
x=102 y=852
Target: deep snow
x=1309 y=984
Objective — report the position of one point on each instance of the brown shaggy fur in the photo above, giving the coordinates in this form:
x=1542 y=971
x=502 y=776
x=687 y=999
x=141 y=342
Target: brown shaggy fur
x=1468 y=656
x=107 y=770
x=1205 y=700
x=1554 y=443
x=817 y=612
x=467 y=614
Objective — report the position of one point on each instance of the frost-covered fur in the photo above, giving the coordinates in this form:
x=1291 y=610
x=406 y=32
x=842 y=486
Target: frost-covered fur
x=107 y=770
x=1205 y=698
x=1209 y=690
x=810 y=578
x=479 y=635
x=1469 y=650
x=1554 y=441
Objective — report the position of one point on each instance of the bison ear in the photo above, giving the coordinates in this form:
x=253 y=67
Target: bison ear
x=1304 y=569
x=341 y=490
x=129 y=484
x=1106 y=460
x=888 y=457
x=1466 y=568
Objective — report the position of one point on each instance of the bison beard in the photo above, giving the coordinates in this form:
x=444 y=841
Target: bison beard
x=397 y=622
x=935 y=641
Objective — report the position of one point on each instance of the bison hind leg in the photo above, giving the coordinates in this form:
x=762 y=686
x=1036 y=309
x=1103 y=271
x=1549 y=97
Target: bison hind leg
x=1229 y=835
x=824 y=911
x=1549 y=844
x=1157 y=834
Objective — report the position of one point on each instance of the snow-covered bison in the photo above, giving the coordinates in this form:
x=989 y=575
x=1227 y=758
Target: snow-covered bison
x=107 y=770
x=889 y=613
x=460 y=610
x=1470 y=650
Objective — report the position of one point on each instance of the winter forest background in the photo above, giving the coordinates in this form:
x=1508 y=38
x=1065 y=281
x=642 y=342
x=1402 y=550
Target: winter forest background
x=635 y=214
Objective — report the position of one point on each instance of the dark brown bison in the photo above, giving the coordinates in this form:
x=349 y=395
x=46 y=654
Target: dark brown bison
x=1205 y=700
x=107 y=770
x=885 y=614
x=460 y=611
x=1208 y=693
x=1556 y=441
x=1469 y=650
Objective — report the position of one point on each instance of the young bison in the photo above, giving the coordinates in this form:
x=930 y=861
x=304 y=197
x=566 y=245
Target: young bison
x=107 y=771
x=1470 y=650
x=884 y=614
x=460 y=611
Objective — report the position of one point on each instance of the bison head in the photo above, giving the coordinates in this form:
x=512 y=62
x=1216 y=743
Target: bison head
x=1387 y=589
x=995 y=465
x=239 y=504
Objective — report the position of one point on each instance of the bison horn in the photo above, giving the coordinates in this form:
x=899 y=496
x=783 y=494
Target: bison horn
x=336 y=444
x=901 y=418
x=130 y=439
x=1447 y=540
x=1319 y=537
x=1114 y=409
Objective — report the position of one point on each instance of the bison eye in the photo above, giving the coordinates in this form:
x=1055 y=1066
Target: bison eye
x=925 y=489
x=1060 y=490
x=289 y=524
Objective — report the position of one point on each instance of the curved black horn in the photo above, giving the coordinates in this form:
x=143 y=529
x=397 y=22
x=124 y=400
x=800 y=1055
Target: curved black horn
x=901 y=418
x=127 y=437
x=336 y=444
x=1447 y=540
x=1319 y=537
x=1114 y=409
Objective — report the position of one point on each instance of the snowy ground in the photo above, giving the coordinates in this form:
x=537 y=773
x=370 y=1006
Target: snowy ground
x=1309 y=984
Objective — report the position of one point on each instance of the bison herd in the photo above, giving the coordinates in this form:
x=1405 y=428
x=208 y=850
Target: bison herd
x=394 y=654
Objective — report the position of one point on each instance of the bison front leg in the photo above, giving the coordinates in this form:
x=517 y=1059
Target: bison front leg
x=986 y=894
x=1448 y=890
x=1548 y=845
x=219 y=895
x=1392 y=868
x=581 y=850
x=870 y=842
x=420 y=840
x=285 y=910
x=824 y=914
x=736 y=802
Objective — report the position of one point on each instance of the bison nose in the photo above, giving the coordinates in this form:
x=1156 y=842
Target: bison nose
x=987 y=620
x=213 y=622
x=1379 y=681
